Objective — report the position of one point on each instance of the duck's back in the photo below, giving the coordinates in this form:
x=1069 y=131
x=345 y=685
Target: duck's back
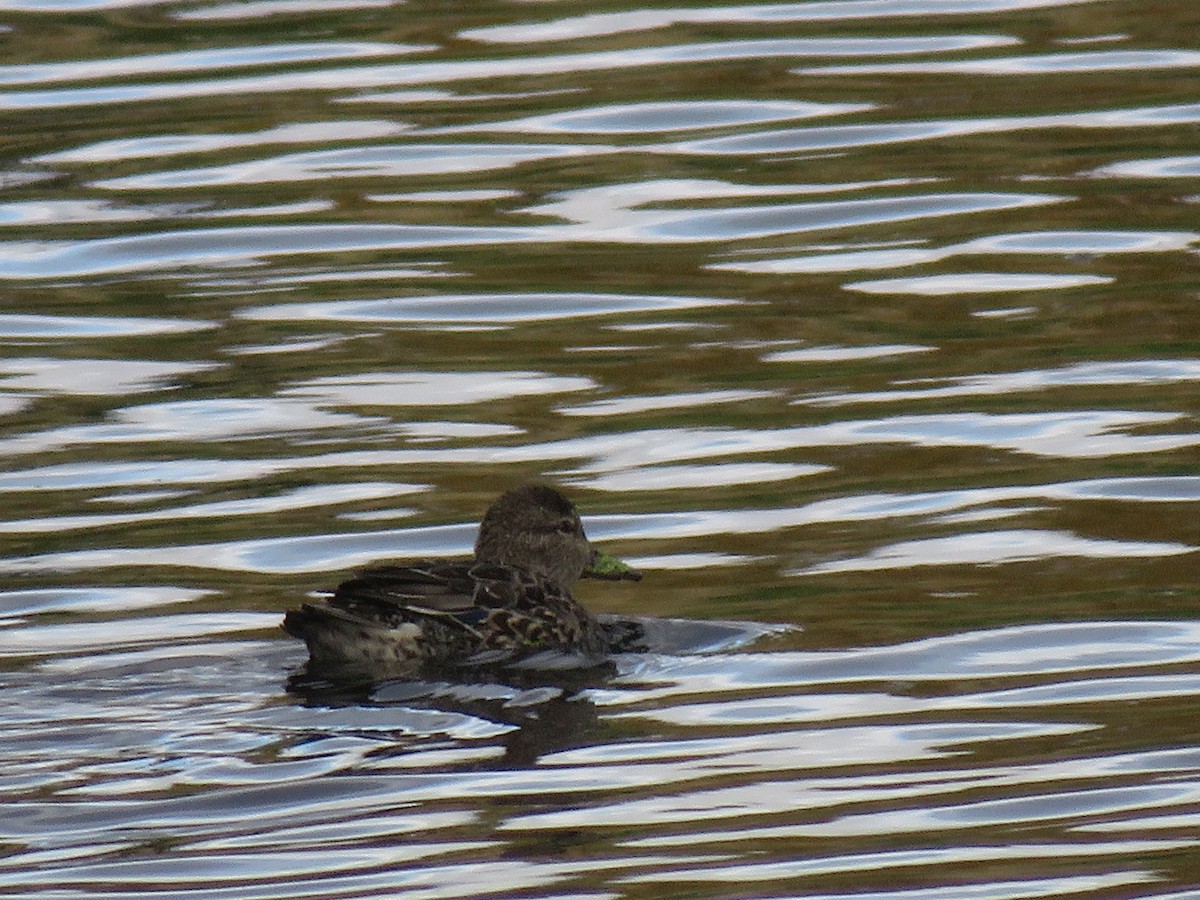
x=443 y=613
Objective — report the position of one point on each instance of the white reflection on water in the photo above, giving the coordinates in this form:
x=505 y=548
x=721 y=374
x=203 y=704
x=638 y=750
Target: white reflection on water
x=1166 y=167
x=600 y=24
x=629 y=450
x=1047 y=63
x=624 y=405
x=432 y=388
x=215 y=247
x=112 y=475
x=629 y=212
x=777 y=797
x=77 y=637
x=103 y=475
x=665 y=478
x=828 y=137
x=1038 y=807
x=1143 y=372
x=18 y=325
x=195 y=61
x=61 y=212
x=94 y=599
x=350 y=779
x=610 y=213
x=393 y=161
x=334 y=552
x=995 y=548
x=423 y=73
x=640 y=118
x=224 y=419
x=161 y=145
x=309 y=497
x=13 y=403
x=976 y=283
x=868 y=862
x=464 y=196
x=475 y=308
x=1054 y=243
x=84 y=377
x=842 y=354
x=1017 y=651
x=263 y=8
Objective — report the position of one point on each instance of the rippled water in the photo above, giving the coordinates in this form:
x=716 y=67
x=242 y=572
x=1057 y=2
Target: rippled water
x=866 y=327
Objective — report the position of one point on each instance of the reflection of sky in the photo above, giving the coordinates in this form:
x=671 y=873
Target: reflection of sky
x=680 y=115
x=392 y=161
x=336 y=552
x=1067 y=435
x=322 y=495
x=665 y=478
x=1139 y=372
x=1167 y=167
x=975 y=283
x=994 y=548
x=92 y=376
x=192 y=60
x=441 y=72
x=17 y=325
x=1046 y=63
x=809 y=138
x=298 y=410
x=475 y=308
x=620 y=406
x=158 y=146
x=191 y=420
x=1048 y=243
x=601 y=24
x=81 y=637
x=432 y=388
x=624 y=213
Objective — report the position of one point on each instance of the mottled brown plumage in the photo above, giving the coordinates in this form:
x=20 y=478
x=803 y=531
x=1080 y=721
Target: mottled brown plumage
x=513 y=598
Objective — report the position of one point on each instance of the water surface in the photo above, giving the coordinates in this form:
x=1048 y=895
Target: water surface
x=865 y=327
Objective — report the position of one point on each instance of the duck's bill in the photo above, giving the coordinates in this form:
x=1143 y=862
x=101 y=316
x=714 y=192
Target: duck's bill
x=610 y=568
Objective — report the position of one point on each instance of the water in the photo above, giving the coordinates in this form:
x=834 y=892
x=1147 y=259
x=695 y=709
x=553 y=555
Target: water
x=865 y=327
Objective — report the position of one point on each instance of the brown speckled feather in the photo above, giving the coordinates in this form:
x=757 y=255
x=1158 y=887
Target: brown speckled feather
x=452 y=611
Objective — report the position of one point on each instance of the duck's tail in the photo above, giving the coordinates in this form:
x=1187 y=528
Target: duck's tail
x=336 y=635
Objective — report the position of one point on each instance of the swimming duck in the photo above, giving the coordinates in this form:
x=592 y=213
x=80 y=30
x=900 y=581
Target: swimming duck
x=512 y=599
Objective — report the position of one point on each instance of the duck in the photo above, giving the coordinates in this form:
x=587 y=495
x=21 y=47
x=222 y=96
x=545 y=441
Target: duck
x=511 y=600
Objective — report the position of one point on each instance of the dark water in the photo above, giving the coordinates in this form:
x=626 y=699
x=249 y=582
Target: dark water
x=871 y=321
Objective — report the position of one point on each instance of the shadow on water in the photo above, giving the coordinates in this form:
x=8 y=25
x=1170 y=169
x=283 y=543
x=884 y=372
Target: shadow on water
x=541 y=698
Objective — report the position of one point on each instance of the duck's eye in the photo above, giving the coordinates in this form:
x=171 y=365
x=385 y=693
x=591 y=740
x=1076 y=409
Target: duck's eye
x=566 y=526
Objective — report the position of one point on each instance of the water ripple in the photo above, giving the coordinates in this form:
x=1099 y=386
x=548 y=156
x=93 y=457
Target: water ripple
x=196 y=61
x=333 y=552
x=994 y=548
x=26 y=326
x=159 y=146
x=601 y=24
x=643 y=118
x=386 y=75
x=1141 y=372
x=1048 y=63
x=1056 y=243
x=475 y=308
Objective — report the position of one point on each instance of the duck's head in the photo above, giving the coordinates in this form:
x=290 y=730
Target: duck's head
x=537 y=528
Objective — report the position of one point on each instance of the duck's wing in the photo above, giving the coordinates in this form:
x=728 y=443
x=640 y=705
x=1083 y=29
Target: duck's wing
x=394 y=594
x=470 y=606
x=392 y=613
x=503 y=606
